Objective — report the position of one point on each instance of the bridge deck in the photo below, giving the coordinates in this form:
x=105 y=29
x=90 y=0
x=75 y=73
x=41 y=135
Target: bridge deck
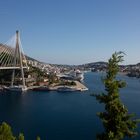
x=7 y=68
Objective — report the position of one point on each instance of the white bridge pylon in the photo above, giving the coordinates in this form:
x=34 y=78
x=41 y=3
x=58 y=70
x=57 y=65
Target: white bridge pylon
x=12 y=57
x=12 y=53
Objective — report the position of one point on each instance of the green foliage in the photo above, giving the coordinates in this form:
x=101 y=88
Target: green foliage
x=36 y=71
x=72 y=83
x=21 y=136
x=68 y=83
x=5 y=75
x=5 y=132
x=52 y=78
x=38 y=138
x=116 y=120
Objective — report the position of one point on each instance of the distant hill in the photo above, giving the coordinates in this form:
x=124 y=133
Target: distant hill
x=98 y=63
x=94 y=64
x=30 y=58
x=102 y=63
x=87 y=65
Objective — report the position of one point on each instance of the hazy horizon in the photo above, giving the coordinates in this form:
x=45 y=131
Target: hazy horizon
x=73 y=32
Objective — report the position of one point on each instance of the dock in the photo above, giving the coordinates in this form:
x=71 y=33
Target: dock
x=78 y=87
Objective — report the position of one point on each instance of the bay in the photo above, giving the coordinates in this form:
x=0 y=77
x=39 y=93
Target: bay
x=64 y=116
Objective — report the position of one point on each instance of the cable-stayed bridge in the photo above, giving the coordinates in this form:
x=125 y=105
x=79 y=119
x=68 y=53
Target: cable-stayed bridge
x=11 y=54
x=12 y=57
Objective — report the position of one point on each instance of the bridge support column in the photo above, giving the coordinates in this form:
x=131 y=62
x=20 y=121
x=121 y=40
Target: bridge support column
x=18 y=52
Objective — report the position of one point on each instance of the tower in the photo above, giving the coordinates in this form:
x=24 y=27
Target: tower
x=18 y=54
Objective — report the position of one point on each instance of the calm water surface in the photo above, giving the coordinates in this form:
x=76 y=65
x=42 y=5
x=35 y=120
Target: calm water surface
x=63 y=116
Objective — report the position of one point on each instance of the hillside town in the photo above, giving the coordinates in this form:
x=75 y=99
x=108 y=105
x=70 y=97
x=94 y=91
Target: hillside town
x=45 y=77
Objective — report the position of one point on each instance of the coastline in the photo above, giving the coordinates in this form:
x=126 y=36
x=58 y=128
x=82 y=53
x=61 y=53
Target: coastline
x=78 y=87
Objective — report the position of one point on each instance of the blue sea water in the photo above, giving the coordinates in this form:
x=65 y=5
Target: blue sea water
x=64 y=116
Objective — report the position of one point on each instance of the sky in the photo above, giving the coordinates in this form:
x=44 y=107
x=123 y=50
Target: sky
x=73 y=31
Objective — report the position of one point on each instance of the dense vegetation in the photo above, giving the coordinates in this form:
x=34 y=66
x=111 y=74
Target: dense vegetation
x=7 y=134
x=116 y=120
x=5 y=75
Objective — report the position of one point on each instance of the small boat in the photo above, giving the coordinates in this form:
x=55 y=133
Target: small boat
x=66 y=89
x=16 y=88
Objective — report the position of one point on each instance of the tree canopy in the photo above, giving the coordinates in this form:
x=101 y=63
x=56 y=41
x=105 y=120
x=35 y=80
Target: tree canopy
x=117 y=122
x=7 y=134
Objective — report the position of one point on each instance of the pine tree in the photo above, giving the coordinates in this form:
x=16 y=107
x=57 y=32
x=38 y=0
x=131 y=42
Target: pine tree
x=38 y=138
x=21 y=136
x=116 y=120
x=6 y=132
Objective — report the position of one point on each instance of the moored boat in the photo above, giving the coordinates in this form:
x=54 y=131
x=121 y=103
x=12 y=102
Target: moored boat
x=16 y=88
x=67 y=89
